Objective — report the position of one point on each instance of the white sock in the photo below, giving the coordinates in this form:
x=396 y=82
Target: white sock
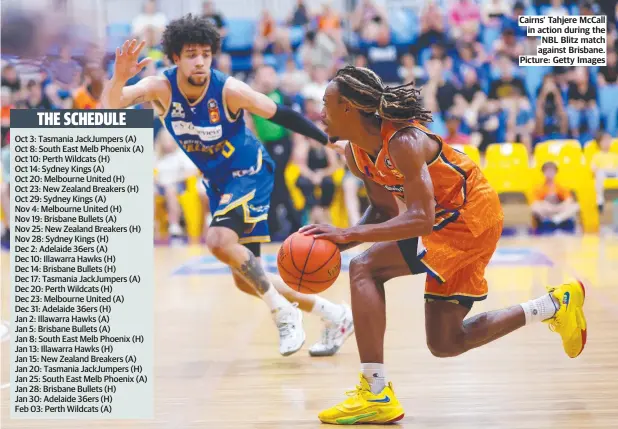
x=327 y=310
x=537 y=310
x=375 y=373
x=274 y=299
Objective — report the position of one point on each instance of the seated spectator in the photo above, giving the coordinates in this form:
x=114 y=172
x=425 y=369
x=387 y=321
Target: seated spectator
x=173 y=169
x=503 y=89
x=604 y=165
x=608 y=75
x=11 y=81
x=293 y=79
x=315 y=89
x=470 y=98
x=520 y=120
x=557 y=8
x=318 y=49
x=209 y=11
x=487 y=128
x=150 y=17
x=453 y=134
x=508 y=45
x=300 y=15
x=35 y=98
x=551 y=118
x=369 y=20
x=582 y=103
x=464 y=17
x=553 y=208
x=409 y=72
x=317 y=166
x=494 y=11
x=432 y=28
x=439 y=92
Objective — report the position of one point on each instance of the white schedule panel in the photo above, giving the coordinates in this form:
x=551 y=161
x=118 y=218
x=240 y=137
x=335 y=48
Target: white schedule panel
x=82 y=286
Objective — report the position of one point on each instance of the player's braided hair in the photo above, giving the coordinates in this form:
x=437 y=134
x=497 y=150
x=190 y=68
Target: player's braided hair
x=365 y=91
x=189 y=30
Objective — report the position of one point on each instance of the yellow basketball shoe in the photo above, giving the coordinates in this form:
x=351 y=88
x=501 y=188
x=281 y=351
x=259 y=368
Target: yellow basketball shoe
x=364 y=407
x=569 y=321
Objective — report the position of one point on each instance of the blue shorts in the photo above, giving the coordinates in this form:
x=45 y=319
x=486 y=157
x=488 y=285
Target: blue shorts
x=250 y=189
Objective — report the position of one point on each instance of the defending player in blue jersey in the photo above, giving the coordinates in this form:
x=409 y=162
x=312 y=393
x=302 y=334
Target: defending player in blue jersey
x=203 y=110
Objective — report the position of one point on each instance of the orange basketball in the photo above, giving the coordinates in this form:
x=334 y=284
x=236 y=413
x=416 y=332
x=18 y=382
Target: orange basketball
x=308 y=265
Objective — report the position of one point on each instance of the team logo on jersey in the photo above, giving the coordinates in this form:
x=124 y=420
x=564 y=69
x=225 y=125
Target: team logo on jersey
x=177 y=110
x=388 y=162
x=213 y=111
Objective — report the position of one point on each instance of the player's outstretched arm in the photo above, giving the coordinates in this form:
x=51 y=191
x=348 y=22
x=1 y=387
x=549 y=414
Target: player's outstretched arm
x=118 y=96
x=238 y=95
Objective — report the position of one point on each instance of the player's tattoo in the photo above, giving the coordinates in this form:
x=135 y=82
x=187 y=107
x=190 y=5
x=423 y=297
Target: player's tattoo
x=254 y=273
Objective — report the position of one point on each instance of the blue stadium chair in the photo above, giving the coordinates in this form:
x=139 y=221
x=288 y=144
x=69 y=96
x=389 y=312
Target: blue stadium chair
x=438 y=126
x=241 y=34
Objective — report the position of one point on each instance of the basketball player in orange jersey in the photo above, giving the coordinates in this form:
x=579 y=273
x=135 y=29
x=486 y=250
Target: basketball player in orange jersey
x=457 y=214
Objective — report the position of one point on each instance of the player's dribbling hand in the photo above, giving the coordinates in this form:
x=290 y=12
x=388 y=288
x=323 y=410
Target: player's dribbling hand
x=327 y=232
x=126 y=65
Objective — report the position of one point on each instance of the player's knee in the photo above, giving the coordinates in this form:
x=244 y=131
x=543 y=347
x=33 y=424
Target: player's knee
x=443 y=346
x=218 y=245
x=359 y=268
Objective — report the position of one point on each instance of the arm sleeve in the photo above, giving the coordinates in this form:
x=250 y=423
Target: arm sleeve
x=294 y=121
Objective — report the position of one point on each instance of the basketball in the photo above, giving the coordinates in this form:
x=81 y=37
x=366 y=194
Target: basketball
x=307 y=264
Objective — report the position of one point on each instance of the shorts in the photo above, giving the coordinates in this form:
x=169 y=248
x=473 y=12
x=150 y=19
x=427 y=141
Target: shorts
x=250 y=192
x=455 y=261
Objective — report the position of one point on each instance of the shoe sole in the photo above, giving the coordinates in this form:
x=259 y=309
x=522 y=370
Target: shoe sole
x=584 y=332
x=334 y=350
x=390 y=422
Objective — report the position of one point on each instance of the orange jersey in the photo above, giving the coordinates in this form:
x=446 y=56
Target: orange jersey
x=82 y=99
x=460 y=188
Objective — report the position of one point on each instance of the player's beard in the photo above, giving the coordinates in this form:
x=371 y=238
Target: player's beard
x=194 y=82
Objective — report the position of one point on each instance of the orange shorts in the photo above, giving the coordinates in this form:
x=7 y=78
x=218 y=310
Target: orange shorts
x=455 y=262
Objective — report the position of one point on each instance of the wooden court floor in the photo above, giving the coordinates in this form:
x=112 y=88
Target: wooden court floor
x=217 y=364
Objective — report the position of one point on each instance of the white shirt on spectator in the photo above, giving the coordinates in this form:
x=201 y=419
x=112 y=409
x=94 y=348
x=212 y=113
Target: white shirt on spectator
x=142 y=21
x=174 y=167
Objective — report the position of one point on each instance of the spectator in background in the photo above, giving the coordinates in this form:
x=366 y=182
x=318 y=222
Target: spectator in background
x=494 y=11
x=300 y=15
x=469 y=99
x=520 y=120
x=507 y=86
x=464 y=17
x=409 y=72
x=150 y=17
x=582 y=103
x=270 y=36
x=369 y=20
x=432 y=28
x=278 y=142
x=604 y=165
x=551 y=117
x=553 y=206
x=318 y=49
x=317 y=166
x=173 y=169
x=35 y=98
x=556 y=9
x=293 y=79
x=209 y=11
x=453 y=135
x=508 y=45
x=224 y=63
x=10 y=80
x=88 y=96
x=607 y=78
x=315 y=89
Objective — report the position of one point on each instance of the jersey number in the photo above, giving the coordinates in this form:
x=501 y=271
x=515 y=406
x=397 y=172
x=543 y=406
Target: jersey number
x=228 y=149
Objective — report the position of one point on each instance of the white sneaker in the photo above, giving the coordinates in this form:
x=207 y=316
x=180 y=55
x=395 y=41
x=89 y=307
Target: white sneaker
x=334 y=335
x=289 y=320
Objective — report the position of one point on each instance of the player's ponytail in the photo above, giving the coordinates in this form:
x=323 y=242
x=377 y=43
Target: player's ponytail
x=365 y=91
